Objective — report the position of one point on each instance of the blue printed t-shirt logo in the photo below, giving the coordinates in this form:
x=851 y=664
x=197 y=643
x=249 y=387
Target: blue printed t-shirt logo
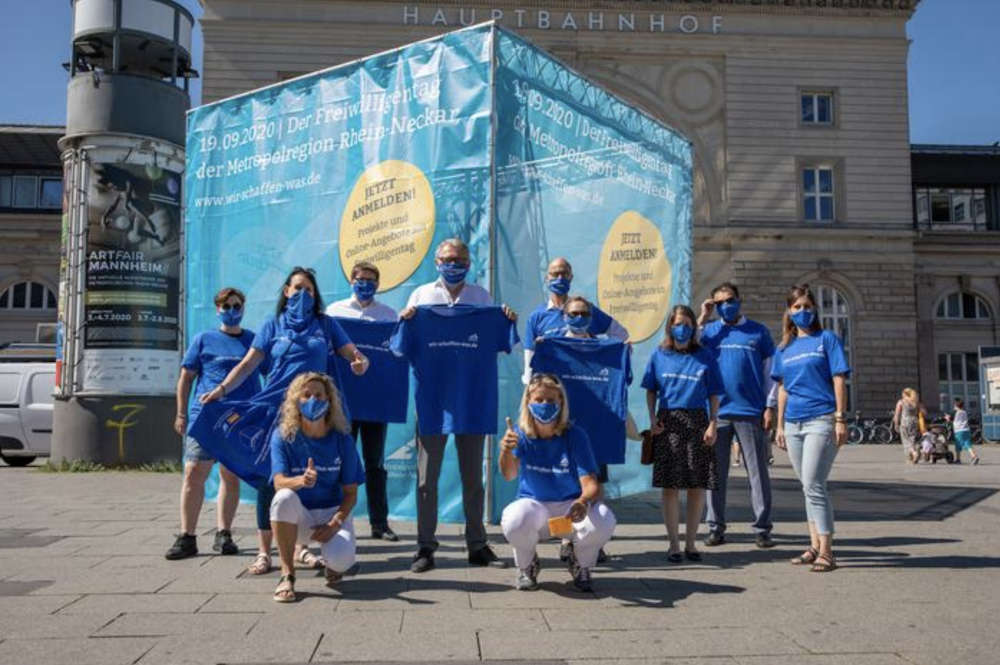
x=331 y=467
x=471 y=342
x=686 y=377
x=817 y=353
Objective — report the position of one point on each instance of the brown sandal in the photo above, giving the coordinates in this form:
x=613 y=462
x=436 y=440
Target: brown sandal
x=285 y=593
x=308 y=559
x=823 y=564
x=809 y=556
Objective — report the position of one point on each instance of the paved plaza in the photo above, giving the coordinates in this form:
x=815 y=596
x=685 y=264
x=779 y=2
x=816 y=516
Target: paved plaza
x=83 y=581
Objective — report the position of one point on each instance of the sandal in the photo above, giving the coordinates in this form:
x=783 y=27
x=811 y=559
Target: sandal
x=808 y=556
x=261 y=564
x=308 y=559
x=285 y=593
x=332 y=577
x=823 y=564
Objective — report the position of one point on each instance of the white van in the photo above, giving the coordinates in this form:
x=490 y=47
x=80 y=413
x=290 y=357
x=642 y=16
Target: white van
x=27 y=380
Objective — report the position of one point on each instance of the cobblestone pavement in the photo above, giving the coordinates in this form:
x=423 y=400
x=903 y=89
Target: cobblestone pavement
x=83 y=580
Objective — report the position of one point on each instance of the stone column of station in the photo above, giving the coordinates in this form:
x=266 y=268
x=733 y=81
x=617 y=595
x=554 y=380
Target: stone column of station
x=121 y=270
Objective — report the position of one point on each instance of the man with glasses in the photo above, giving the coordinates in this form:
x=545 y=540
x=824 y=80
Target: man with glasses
x=452 y=260
x=743 y=349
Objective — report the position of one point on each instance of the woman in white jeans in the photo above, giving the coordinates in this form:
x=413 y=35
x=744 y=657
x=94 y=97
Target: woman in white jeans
x=812 y=369
x=316 y=471
x=558 y=478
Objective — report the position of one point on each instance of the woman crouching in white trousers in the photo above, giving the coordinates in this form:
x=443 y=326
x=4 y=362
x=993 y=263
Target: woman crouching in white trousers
x=558 y=479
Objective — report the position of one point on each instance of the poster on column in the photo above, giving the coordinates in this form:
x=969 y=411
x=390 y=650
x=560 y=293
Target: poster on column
x=131 y=300
x=583 y=175
x=375 y=160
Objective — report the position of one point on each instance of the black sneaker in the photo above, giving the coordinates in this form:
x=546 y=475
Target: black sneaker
x=485 y=556
x=224 y=543
x=715 y=538
x=602 y=556
x=384 y=533
x=764 y=541
x=581 y=580
x=185 y=546
x=565 y=551
x=423 y=560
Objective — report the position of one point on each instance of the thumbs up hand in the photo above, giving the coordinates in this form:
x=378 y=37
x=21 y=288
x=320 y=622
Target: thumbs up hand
x=309 y=477
x=509 y=441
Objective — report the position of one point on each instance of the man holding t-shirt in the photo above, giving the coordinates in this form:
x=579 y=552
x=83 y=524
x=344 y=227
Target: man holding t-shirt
x=452 y=260
x=743 y=350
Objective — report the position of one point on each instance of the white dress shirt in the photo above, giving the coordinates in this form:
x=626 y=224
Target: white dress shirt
x=350 y=308
x=436 y=293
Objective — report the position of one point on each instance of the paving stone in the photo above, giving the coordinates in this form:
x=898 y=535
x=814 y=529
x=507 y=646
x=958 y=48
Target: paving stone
x=195 y=626
x=515 y=621
x=78 y=651
x=27 y=626
x=140 y=603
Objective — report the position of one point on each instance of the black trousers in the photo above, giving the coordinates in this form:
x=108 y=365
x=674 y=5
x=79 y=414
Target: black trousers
x=373 y=454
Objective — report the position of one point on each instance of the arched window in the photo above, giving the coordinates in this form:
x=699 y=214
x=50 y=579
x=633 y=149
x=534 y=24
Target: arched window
x=30 y=296
x=835 y=315
x=963 y=305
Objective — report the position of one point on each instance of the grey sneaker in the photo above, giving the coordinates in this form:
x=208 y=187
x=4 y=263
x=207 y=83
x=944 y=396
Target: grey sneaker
x=581 y=579
x=527 y=579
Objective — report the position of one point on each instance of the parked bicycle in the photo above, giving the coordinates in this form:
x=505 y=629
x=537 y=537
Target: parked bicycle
x=868 y=430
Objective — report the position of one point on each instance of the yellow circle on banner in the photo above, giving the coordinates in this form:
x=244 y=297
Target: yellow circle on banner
x=634 y=275
x=388 y=221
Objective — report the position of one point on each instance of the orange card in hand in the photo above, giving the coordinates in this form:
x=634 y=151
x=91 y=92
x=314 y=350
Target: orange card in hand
x=560 y=526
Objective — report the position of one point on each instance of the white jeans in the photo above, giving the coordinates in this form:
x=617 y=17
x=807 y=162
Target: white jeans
x=526 y=521
x=339 y=551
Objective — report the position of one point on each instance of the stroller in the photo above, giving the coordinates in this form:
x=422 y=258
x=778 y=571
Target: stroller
x=934 y=445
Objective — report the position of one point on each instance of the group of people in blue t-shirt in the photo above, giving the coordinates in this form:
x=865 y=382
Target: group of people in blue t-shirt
x=275 y=409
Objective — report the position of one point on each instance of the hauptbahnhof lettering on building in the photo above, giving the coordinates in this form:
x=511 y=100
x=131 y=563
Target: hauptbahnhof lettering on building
x=798 y=113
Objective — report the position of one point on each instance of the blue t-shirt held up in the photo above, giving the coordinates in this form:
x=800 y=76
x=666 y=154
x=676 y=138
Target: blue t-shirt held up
x=453 y=350
x=336 y=460
x=293 y=352
x=806 y=368
x=548 y=322
x=551 y=468
x=212 y=355
x=382 y=393
x=741 y=351
x=596 y=374
x=683 y=380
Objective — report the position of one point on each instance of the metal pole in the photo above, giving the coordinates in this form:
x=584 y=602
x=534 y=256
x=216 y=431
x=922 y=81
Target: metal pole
x=491 y=216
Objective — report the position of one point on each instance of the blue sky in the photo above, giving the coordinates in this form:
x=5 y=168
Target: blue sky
x=953 y=69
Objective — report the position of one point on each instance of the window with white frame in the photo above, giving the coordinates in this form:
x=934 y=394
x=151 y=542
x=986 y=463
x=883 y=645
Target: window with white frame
x=818 y=193
x=30 y=191
x=964 y=306
x=30 y=296
x=817 y=107
x=835 y=315
x=958 y=376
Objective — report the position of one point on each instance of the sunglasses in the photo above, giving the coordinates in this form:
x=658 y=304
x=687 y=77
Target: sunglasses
x=732 y=300
x=236 y=308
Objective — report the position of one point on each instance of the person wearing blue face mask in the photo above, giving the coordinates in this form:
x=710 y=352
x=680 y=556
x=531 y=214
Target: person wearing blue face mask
x=681 y=378
x=362 y=305
x=812 y=369
x=549 y=320
x=209 y=358
x=557 y=478
x=452 y=261
x=743 y=349
x=316 y=471
x=299 y=338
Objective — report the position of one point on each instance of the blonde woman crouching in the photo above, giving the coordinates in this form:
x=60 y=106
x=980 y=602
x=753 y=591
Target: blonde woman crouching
x=316 y=471
x=558 y=478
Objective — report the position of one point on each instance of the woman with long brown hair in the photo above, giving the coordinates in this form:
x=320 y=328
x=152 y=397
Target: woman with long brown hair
x=812 y=369
x=680 y=380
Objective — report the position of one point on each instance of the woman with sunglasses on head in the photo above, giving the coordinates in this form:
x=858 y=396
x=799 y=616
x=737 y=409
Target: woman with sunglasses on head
x=558 y=478
x=812 y=369
x=209 y=358
x=298 y=338
x=315 y=471
x=681 y=379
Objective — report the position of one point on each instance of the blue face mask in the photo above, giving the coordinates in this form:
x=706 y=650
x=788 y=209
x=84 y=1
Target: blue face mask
x=453 y=273
x=544 y=412
x=729 y=311
x=559 y=285
x=578 y=324
x=314 y=409
x=804 y=318
x=299 y=309
x=231 y=317
x=364 y=289
x=682 y=333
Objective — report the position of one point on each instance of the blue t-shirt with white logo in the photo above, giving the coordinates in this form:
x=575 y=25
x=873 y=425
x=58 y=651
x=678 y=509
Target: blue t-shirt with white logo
x=683 y=380
x=806 y=368
x=551 y=468
x=453 y=351
x=381 y=394
x=596 y=374
x=740 y=351
x=212 y=355
x=335 y=458
x=548 y=322
x=293 y=352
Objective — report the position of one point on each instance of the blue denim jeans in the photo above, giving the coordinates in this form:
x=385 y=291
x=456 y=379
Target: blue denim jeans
x=812 y=449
